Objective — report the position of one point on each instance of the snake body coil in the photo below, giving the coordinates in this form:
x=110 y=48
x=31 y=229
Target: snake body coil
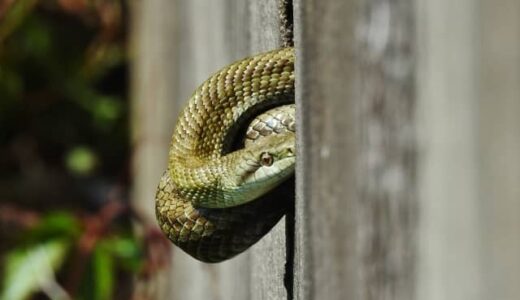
x=231 y=150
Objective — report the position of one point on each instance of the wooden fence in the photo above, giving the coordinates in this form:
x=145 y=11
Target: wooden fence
x=408 y=178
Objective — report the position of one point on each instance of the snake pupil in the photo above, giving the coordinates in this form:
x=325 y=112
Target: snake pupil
x=266 y=159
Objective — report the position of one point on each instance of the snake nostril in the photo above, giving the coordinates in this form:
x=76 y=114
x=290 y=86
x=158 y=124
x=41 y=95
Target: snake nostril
x=266 y=159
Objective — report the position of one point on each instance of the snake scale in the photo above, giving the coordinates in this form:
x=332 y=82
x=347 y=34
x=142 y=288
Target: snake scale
x=231 y=161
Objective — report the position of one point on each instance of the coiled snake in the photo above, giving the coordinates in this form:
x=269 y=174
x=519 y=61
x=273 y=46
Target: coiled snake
x=231 y=150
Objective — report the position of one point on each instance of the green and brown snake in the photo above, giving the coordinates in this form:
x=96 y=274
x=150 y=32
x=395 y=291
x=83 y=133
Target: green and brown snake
x=231 y=156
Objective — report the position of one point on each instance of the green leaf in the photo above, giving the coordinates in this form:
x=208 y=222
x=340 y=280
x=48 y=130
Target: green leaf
x=56 y=225
x=27 y=270
x=126 y=250
x=103 y=273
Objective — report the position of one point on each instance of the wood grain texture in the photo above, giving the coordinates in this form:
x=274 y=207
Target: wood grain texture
x=469 y=104
x=499 y=144
x=356 y=192
x=448 y=180
x=153 y=88
x=268 y=256
x=387 y=162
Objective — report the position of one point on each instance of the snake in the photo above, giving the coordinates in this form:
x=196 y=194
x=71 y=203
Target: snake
x=231 y=161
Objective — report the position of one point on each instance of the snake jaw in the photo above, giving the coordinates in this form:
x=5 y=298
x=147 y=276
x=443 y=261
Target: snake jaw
x=253 y=177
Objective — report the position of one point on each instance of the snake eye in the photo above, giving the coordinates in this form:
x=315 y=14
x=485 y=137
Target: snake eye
x=266 y=159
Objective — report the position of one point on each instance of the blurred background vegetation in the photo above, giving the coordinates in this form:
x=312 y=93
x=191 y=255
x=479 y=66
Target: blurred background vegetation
x=65 y=218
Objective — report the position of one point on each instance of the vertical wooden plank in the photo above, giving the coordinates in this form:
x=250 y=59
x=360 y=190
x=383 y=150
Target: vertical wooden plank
x=499 y=144
x=469 y=67
x=356 y=192
x=325 y=263
x=387 y=161
x=153 y=88
x=211 y=35
x=450 y=266
x=268 y=256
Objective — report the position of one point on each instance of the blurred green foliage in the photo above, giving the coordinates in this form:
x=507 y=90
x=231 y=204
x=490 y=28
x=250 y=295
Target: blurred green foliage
x=64 y=150
x=31 y=266
x=81 y=160
x=63 y=83
x=28 y=270
x=39 y=254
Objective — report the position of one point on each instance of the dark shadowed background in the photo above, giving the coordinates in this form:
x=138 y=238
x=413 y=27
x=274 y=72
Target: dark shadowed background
x=65 y=218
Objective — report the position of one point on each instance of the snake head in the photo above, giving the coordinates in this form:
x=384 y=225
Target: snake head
x=262 y=166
